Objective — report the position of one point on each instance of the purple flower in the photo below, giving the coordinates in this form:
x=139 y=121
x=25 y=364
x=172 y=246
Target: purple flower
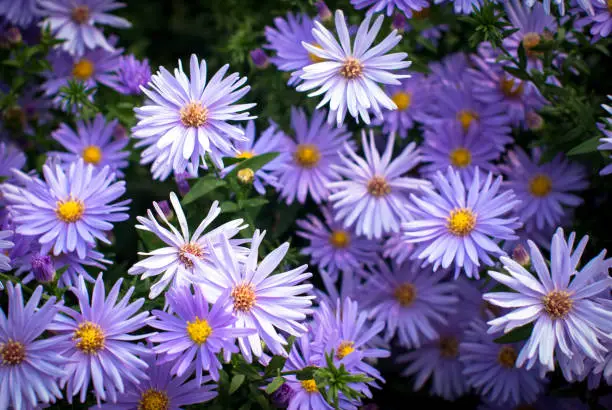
x=131 y=75
x=43 y=269
x=464 y=6
x=372 y=197
x=187 y=117
x=10 y=158
x=19 y=12
x=5 y=261
x=460 y=225
x=606 y=142
x=561 y=302
x=308 y=158
x=74 y=21
x=30 y=366
x=450 y=71
x=544 y=189
x=348 y=77
x=377 y=6
x=259 y=58
x=192 y=337
x=95 y=341
x=93 y=142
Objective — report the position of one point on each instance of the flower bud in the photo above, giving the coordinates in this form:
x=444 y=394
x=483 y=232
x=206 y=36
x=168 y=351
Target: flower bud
x=165 y=207
x=182 y=183
x=521 y=256
x=282 y=395
x=260 y=58
x=246 y=176
x=43 y=269
x=534 y=121
x=324 y=13
x=399 y=22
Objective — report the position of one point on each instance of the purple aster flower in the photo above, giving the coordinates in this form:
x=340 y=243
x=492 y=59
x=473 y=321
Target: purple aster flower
x=269 y=141
x=412 y=99
x=606 y=142
x=286 y=38
x=30 y=366
x=93 y=142
x=10 y=158
x=193 y=336
x=187 y=117
x=162 y=391
x=70 y=209
x=491 y=369
x=460 y=225
x=132 y=74
x=544 y=189
x=5 y=245
x=261 y=301
x=74 y=21
x=450 y=71
x=373 y=195
x=600 y=21
x=396 y=248
x=348 y=77
x=332 y=247
x=463 y=6
x=411 y=300
x=447 y=144
x=20 y=12
x=95 y=341
x=309 y=157
x=586 y=5
x=561 y=302
x=377 y=6
x=175 y=262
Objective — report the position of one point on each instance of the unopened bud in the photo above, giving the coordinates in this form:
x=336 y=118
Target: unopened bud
x=534 y=121
x=260 y=58
x=521 y=256
x=324 y=13
x=282 y=395
x=13 y=36
x=165 y=208
x=43 y=269
x=182 y=183
x=119 y=132
x=399 y=22
x=246 y=176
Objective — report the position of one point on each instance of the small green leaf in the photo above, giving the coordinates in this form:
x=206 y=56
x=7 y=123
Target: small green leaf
x=516 y=335
x=518 y=73
x=227 y=161
x=585 y=147
x=202 y=187
x=253 y=202
x=237 y=381
x=277 y=363
x=254 y=163
x=307 y=373
x=276 y=383
x=229 y=206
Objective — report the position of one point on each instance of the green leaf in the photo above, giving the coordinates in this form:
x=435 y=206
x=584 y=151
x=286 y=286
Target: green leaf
x=202 y=187
x=237 y=381
x=254 y=163
x=253 y=202
x=516 y=335
x=227 y=161
x=518 y=73
x=276 y=383
x=306 y=373
x=277 y=363
x=229 y=206
x=585 y=147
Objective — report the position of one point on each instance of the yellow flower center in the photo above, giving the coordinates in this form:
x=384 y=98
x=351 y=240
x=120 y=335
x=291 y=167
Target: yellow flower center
x=244 y=297
x=558 y=304
x=307 y=155
x=461 y=221
x=507 y=356
x=89 y=338
x=194 y=114
x=70 y=211
x=531 y=40
x=92 y=155
x=460 y=157
x=12 y=353
x=199 y=330
x=152 y=399
x=310 y=386
x=246 y=175
x=466 y=118
x=351 y=68
x=245 y=155
x=402 y=100
x=83 y=69
x=313 y=57
x=80 y=14
x=191 y=248
x=378 y=186
x=340 y=239
x=344 y=349
x=449 y=347
x=540 y=185
x=510 y=88
x=405 y=294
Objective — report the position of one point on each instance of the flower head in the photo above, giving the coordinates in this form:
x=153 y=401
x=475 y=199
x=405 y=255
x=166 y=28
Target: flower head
x=10 y=158
x=20 y=12
x=131 y=75
x=387 y=6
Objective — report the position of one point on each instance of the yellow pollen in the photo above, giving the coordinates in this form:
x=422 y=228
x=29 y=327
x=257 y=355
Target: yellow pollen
x=307 y=155
x=70 y=211
x=313 y=57
x=540 y=185
x=460 y=157
x=12 y=353
x=152 y=399
x=92 y=155
x=89 y=338
x=558 y=304
x=405 y=294
x=191 y=248
x=351 y=68
x=309 y=385
x=421 y=14
x=245 y=155
x=402 y=100
x=344 y=349
x=507 y=356
x=80 y=14
x=449 y=347
x=194 y=114
x=466 y=118
x=246 y=175
x=461 y=221
x=83 y=69
x=244 y=297
x=531 y=40
x=510 y=88
x=199 y=330
x=340 y=239
x=378 y=186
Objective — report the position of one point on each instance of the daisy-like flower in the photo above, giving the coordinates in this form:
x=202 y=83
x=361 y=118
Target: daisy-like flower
x=94 y=341
x=19 y=12
x=10 y=158
x=491 y=369
x=411 y=301
x=70 y=209
x=460 y=225
x=450 y=71
x=409 y=7
x=175 y=262
x=5 y=245
x=187 y=117
x=463 y=6
x=286 y=38
x=132 y=74
x=586 y=5
x=193 y=336
x=372 y=198
x=546 y=190
x=447 y=144
x=561 y=302
x=162 y=391
x=308 y=158
x=412 y=99
x=269 y=141
x=75 y=22
x=93 y=142
x=29 y=365
x=605 y=128
x=261 y=301
x=332 y=247
x=349 y=76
